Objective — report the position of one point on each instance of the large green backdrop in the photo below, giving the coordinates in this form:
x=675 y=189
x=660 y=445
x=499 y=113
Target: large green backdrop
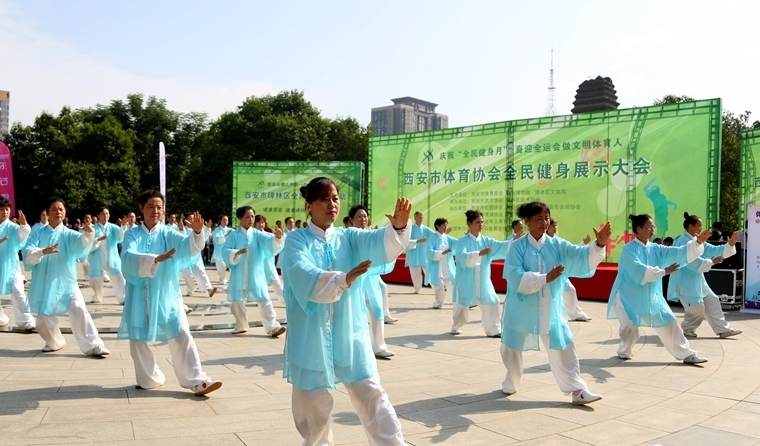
x=749 y=176
x=589 y=168
x=273 y=188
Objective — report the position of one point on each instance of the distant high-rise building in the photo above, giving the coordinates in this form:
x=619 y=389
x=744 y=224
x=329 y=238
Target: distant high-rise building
x=5 y=102
x=407 y=115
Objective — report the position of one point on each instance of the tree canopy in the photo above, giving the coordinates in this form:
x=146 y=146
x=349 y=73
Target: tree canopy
x=108 y=153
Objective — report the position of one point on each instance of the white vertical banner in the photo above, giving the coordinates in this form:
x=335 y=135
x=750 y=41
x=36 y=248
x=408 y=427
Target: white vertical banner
x=162 y=173
x=752 y=261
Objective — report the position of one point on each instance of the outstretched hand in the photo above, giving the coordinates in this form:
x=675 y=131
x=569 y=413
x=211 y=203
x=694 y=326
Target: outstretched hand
x=586 y=239
x=422 y=240
x=672 y=268
x=21 y=218
x=4 y=239
x=603 y=234
x=734 y=238
x=357 y=271
x=278 y=233
x=87 y=227
x=165 y=256
x=197 y=223
x=717 y=260
x=555 y=273
x=50 y=249
x=400 y=217
x=701 y=238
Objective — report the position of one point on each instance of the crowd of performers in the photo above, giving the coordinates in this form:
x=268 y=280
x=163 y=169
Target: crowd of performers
x=336 y=302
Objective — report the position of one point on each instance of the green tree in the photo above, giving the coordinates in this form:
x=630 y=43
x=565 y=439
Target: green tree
x=283 y=127
x=85 y=163
x=729 y=161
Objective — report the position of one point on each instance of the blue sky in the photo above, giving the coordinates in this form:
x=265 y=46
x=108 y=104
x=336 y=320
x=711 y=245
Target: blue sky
x=482 y=61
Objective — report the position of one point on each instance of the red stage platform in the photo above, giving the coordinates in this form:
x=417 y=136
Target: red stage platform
x=597 y=287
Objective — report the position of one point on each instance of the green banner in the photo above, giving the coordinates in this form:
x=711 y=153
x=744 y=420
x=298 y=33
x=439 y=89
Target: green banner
x=749 y=174
x=272 y=188
x=589 y=168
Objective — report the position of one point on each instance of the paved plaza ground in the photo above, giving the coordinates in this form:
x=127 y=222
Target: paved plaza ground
x=446 y=389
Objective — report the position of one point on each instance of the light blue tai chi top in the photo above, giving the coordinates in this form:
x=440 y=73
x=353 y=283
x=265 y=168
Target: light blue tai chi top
x=104 y=257
x=415 y=257
x=639 y=280
x=328 y=338
x=153 y=303
x=373 y=286
x=54 y=276
x=534 y=307
x=220 y=236
x=473 y=273
x=689 y=284
x=285 y=231
x=17 y=236
x=440 y=265
x=248 y=281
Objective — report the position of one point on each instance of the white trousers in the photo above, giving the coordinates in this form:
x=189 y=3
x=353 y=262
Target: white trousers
x=671 y=335
x=277 y=287
x=416 y=273
x=570 y=296
x=221 y=269
x=442 y=293
x=117 y=281
x=21 y=315
x=187 y=276
x=694 y=314
x=376 y=331
x=312 y=414
x=489 y=318
x=82 y=327
x=386 y=300
x=564 y=364
x=185 y=360
x=266 y=311
x=201 y=278
x=85 y=267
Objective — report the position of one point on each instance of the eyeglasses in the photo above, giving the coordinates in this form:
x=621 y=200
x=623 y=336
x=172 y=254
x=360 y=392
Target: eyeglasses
x=650 y=227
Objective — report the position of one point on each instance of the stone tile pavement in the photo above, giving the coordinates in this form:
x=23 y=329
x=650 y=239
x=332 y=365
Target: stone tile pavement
x=446 y=389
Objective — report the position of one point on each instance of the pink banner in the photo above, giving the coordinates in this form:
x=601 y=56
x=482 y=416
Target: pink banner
x=6 y=176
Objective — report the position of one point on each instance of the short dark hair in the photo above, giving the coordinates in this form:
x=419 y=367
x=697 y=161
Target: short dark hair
x=100 y=209
x=288 y=219
x=147 y=195
x=354 y=209
x=515 y=223
x=638 y=221
x=222 y=216
x=526 y=211
x=668 y=240
x=317 y=189
x=440 y=221
x=472 y=215
x=242 y=210
x=4 y=202
x=346 y=219
x=53 y=200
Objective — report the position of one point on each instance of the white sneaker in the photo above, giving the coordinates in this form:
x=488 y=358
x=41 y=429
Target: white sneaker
x=95 y=300
x=207 y=386
x=276 y=332
x=585 y=397
x=384 y=354
x=583 y=318
x=689 y=334
x=730 y=333
x=456 y=332
x=238 y=331
x=694 y=359
x=98 y=352
x=188 y=310
x=390 y=320
x=624 y=357
x=48 y=349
